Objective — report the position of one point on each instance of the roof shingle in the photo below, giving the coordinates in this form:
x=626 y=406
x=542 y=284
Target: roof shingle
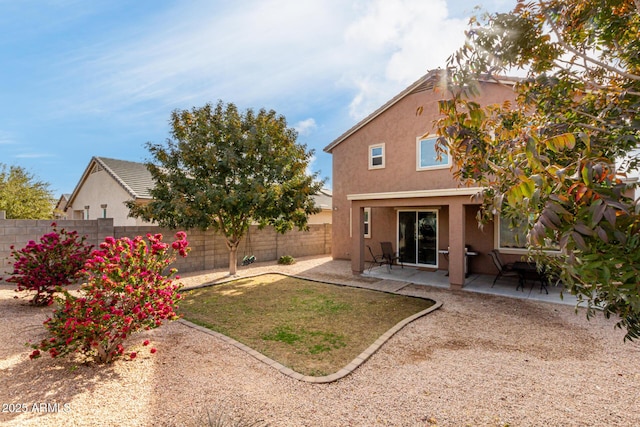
x=133 y=176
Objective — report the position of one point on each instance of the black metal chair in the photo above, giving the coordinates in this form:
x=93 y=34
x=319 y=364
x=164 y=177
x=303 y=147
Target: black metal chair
x=375 y=259
x=390 y=257
x=504 y=270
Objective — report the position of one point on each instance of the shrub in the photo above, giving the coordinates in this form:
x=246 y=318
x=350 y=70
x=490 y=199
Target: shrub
x=49 y=265
x=286 y=260
x=125 y=291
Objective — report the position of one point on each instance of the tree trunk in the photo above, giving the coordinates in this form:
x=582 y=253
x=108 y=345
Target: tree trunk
x=233 y=258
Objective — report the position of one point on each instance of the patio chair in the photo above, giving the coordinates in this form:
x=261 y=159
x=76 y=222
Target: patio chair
x=504 y=270
x=375 y=259
x=389 y=256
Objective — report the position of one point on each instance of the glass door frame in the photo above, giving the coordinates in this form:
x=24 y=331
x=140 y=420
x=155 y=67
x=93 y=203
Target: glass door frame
x=416 y=211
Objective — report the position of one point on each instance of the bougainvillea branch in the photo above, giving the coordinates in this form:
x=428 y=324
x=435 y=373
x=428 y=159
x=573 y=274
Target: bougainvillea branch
x=127 y=289
x=49 y=265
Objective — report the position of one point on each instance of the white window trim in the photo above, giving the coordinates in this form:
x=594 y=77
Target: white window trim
x=370 y=164
x=367 y=212
x=418 y=156
x=496 y=240
x=416 y=210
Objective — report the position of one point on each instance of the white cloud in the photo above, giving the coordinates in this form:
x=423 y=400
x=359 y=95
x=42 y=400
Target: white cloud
x=262 y=53
x=6 y=139
x=402 y=39
x=310 y=165
x=208 y=51
x=305 y=127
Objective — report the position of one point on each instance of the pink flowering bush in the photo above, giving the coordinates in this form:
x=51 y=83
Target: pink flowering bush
x=49 y=265
x=129 y=287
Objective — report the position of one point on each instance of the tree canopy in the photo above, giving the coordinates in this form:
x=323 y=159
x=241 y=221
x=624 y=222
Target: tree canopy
x=227 y=169
x=22 y=196
x=564 y=150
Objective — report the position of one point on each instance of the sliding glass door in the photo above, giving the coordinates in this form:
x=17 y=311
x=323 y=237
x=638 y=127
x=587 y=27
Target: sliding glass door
x=418 y=237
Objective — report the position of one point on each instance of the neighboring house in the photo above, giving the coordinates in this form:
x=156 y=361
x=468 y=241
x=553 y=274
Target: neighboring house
x=388 y=185
x=107 y=184
x=323 y=200
x=61 y=205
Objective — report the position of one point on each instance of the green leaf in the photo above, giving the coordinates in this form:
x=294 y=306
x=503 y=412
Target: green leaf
x=566 y=141
x=586 y=174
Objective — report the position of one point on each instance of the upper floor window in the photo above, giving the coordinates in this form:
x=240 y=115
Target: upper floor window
x=376 y=156
x=427 y=156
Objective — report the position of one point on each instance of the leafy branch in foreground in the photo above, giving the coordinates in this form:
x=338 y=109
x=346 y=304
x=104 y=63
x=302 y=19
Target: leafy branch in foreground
x=563 y=150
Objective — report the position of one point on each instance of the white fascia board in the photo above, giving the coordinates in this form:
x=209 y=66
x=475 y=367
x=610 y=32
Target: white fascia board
x=445 y=192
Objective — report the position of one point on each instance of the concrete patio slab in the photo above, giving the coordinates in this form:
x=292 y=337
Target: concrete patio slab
x=480 y=283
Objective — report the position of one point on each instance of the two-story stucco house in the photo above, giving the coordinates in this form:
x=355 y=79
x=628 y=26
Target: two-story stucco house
x=389 y=185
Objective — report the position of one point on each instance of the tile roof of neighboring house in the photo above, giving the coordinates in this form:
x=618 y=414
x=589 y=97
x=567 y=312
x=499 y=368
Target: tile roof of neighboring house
x=62 y=201
x=426 y=82
x=132 y=176
x=324 y=198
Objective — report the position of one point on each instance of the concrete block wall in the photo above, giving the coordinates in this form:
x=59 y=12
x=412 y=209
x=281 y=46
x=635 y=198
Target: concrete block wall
x=18 y=232
x=208 y=248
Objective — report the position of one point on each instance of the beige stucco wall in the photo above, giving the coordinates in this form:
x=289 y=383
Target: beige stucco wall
x=100 y=188
x=324 y=217
x=398 y=127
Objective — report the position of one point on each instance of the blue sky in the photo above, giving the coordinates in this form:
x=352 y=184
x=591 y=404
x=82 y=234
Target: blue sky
x=100 y=78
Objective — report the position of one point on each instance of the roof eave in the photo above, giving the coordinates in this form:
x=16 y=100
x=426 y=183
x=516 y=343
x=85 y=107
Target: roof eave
x=430 y=75
x=433 y=74
x=119 y=180
x=83 y=178
x=86 y=173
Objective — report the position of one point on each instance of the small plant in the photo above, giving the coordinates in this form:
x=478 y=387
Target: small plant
x=50 y=265
x=125 y=291
x=220 y=418
x=286 y=260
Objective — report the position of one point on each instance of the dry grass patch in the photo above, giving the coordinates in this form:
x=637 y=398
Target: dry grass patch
x=313 y=328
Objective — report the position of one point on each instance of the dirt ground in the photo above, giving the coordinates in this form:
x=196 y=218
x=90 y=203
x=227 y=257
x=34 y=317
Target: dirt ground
x=480 y=360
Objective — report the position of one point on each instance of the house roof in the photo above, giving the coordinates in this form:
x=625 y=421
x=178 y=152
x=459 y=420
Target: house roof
x=62 y=201
x=323 y=199
x=426 y=82
x=132 y=176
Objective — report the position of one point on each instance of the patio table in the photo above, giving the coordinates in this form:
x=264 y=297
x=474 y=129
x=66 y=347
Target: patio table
x=529 y=271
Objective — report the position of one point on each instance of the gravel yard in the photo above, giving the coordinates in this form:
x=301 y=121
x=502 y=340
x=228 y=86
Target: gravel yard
x=479 y=360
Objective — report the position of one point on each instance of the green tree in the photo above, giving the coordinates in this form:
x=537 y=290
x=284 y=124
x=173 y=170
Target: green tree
x=226 y=170
x=22 y=196
x=562 y=150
